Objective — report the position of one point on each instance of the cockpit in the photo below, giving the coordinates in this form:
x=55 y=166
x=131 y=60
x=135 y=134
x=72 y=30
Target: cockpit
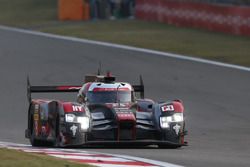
x=104 y=89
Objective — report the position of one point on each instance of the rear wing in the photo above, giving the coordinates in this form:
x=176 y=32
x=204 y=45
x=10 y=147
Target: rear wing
x=70 y=88
x=50 y=89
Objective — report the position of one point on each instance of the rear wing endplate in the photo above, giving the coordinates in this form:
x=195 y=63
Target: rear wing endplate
x=139 y=88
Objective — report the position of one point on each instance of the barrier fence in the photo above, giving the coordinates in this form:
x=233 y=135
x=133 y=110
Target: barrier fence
x=227 y=2
x=222 y=18
x=95 y=9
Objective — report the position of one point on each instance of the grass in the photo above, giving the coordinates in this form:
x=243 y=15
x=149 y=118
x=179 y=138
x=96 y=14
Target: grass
x=13 y=158
x=27 y=12
x=41 y=15
x=158 y=36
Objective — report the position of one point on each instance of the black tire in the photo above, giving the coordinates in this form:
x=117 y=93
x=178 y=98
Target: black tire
x=57 y=141
x=167 y=146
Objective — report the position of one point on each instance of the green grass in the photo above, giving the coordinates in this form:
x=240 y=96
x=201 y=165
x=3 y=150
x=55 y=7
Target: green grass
x=27 y=12
x=41 y=15
x=158 y=36
x=12 y=158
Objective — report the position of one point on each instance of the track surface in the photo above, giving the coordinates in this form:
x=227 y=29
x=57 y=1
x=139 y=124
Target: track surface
x=216 y=98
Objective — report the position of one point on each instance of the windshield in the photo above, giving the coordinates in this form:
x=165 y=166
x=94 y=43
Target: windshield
x=109 y=97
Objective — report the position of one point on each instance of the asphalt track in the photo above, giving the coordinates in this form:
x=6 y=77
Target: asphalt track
x=216 y=98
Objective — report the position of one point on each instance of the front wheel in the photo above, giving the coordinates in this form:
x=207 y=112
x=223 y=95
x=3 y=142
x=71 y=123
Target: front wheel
x=57 y=141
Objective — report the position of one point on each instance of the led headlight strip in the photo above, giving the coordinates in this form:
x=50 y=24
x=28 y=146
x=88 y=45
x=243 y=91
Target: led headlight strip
x=166 y=120
x=83 y=120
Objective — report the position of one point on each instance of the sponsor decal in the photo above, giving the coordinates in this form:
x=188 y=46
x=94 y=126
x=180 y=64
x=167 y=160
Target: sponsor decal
x=74 y=88
x=36 y=128
x=118 y=106
x=42 y=114
x=177 y=129
x=68 y=87
x=167 y=108
x=36 y=108
x=98 y=115
x=44 y=130
x=36 y=117
x=110 y=89
x=125 y=116
x=73 y=129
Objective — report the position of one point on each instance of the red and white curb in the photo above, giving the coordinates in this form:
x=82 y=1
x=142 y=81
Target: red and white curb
x=92 y=158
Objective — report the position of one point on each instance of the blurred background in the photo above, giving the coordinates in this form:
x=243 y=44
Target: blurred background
x=232 y=2
x=189 y=27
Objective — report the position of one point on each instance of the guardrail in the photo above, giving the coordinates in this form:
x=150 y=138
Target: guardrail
x=222 y=18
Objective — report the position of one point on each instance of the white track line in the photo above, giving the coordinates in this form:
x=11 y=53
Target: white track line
x=159 y=53
x=89 y=158
x=94 y=158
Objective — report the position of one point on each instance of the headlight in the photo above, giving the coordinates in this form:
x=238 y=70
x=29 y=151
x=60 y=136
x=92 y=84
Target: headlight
x=178 y=117
x=165 y=121
x=69 y=117
x=84 y=121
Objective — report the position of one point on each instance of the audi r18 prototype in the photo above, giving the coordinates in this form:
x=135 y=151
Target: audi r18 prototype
x=105 y=112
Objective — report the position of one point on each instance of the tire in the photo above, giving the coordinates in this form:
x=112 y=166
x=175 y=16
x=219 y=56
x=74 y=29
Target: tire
x=166 y=146
x=57 y=141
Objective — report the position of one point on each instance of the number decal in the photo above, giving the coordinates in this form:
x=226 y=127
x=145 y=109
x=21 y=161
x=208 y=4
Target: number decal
x=77 y=108
x=167 y=108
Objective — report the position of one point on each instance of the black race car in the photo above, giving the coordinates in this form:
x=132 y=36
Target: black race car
x=106 y=112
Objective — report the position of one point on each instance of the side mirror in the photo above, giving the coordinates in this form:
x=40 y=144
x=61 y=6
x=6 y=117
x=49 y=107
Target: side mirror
x=85 y=99
x=81 y=99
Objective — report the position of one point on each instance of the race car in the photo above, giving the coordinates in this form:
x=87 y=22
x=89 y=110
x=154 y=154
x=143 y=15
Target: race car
x=105 y=112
